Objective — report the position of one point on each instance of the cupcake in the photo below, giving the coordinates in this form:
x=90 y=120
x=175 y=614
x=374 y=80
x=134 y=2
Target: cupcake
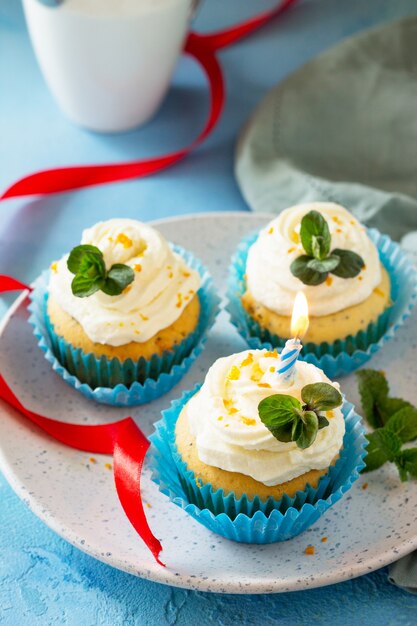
x=124 y=306
x=359 y=284
x=255 y=456
x=322 y=249
x=228 y=435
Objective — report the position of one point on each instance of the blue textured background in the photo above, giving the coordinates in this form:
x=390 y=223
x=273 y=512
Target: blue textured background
x=43 y=580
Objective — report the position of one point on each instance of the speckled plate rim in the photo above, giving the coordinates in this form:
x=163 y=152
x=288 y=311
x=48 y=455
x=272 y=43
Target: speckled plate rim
x=155 y=572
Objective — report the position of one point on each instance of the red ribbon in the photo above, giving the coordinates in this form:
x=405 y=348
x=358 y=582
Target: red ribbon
x=202 y=48
x=124 y=439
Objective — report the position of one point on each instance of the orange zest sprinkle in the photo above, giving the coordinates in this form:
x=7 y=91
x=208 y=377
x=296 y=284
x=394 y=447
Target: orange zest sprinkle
x=272 y=368
x=186 y=274
x=234 y=373
x=233 y=410
x=137 y=267
x=295 y=237
x=124 y=240
x=323 y=539
x=339 y=230
x=290 y=250
x=127 y=289
x=360 y=277
x=271 y=354
x=248 y=421
x=309 y=550
x=54 y=267
x=226 y=425
x=265 y=385
x=270 y=231
x=170 y=275
x=353 y=222
x=149 y=505
x=365 y=486
x=121 y=324
x=144 y=317
x=248 y=360
x=337 y=220
x=257 y=373
x=92 y=459
x=329 y=281
x=220 y=418
x=191 y=291
x=179 y=300
x=330 y=414
x=379 y=292
x=108 y=466
x=137 y=332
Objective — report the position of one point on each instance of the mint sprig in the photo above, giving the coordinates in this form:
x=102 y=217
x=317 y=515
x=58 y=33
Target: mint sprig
x=314 y=267
x=289 y=420
x=395 y=421
x=87 y=263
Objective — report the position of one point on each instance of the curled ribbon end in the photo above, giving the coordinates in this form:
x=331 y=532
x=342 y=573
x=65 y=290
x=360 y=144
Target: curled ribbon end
x=158 y=560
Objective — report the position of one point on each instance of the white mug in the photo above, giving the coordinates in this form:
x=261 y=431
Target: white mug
x=108 y=62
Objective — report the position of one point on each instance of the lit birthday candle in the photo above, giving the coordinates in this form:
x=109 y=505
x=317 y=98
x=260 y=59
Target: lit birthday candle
x=293 y=347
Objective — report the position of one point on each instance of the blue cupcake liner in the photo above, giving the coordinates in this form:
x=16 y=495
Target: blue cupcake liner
x=158 y=375
x=345 y=355
x=243 y=519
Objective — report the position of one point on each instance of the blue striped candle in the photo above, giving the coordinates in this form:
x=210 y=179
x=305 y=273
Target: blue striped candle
x=293 y=347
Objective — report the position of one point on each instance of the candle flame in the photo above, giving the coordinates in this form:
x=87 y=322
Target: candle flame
x=299 y=319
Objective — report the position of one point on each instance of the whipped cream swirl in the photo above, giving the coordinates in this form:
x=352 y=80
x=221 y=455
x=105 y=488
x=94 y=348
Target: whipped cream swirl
x=268 y=274
x=162 y=288
x=223 y=418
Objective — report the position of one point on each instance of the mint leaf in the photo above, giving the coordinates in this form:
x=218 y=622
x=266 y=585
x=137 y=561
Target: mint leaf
x=82 y=259
x=383 y=446
x=390 y=406
x=406 y=462
x=307 y=429
x=403 y=424
x=350 y=264
x=323 y=421
x=87 y=263
x=278 y=412
x=83 y=286
x=373 y=391
x=321 y=397
x=315 y=235
x=118 y=278
x=325 y=265
x=300 y=269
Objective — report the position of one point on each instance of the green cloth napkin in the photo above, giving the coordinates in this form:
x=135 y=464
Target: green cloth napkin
x=343 y=129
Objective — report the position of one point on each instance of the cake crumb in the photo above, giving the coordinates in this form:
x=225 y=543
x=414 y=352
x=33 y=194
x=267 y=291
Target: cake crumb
x=309 y=550
x=365 y=486
x=323 y=539
x=92 y=459
x=149 y=505
x=108 y=466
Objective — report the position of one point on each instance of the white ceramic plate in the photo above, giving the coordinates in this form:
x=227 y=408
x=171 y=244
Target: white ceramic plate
x=367 y=529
